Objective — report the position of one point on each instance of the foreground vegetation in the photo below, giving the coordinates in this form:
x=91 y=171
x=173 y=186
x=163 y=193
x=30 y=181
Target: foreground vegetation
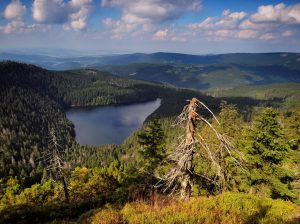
x=271 y=158
x=231 y=208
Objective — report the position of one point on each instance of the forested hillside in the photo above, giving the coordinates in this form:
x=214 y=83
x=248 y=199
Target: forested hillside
x=208 y=76
x=289 y=92
x=34 y=100
x=246 y=159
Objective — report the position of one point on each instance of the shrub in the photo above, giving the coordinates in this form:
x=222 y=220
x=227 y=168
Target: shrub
x=226 y=208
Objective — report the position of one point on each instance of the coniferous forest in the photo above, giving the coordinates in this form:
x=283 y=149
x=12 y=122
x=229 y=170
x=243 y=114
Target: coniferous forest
x=231 y=158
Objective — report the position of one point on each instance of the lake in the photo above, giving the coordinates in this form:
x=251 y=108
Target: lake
x=109 y=124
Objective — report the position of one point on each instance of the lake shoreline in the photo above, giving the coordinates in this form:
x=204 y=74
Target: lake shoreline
x=113 y=104
x=110 y=124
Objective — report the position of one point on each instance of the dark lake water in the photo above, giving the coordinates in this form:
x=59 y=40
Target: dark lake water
x=109 y=124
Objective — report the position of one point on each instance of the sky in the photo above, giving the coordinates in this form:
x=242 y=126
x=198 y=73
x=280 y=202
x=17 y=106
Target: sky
x=186 y=26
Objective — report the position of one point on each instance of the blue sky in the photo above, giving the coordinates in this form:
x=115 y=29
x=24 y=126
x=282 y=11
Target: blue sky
x=187 y=26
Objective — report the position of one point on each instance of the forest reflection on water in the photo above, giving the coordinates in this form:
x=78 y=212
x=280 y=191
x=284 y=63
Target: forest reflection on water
x=109 y=124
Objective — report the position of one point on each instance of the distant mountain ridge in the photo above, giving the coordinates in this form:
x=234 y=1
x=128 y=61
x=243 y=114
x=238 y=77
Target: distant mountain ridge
x=65 y=63
x=209 y=76
x=202 y=72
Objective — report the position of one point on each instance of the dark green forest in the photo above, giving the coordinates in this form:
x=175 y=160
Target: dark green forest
x=256 y=181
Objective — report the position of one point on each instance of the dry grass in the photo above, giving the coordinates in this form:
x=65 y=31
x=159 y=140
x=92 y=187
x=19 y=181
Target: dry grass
x=233 y=208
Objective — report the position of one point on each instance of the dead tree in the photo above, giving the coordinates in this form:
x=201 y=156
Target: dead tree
x=182 y=174
x=55 y=161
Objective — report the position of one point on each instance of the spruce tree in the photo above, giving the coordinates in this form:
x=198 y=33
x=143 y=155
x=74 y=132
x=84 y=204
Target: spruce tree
x=152 y=140
x=267 y=152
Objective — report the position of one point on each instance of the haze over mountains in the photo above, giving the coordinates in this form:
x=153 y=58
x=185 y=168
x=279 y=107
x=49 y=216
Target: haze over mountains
x=205 y=72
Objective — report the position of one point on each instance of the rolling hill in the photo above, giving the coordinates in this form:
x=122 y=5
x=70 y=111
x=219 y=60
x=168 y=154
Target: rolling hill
x=288 y=92
x=204 y=72
x=207 y=77
x=290 y=60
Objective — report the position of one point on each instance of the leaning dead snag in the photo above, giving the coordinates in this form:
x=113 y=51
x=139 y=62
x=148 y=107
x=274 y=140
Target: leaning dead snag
x=54 y=159
x=182 y=174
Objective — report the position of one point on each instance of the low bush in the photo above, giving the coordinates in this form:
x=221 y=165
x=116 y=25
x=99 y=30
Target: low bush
x=234 y=208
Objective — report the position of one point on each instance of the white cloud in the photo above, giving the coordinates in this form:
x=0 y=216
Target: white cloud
x=246 y=34
x=161 y=35
x=78 y=19
x=278 y=13
x=153 y=10
x=248 y=24
x=144 y=14
x=74 y=12
x=171 y=35
x=287 y=33
x=13 y=26
x=219 y=35
x=118 y=26
x=49 y=11
x=267 y=23
x=227 y=21
x=267 y=37
x=18 y=26
x=14 y=10
x=226 y=12
x=220 y=28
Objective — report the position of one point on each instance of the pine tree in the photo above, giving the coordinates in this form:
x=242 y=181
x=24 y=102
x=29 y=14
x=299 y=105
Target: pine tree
x=152 y=140
x=267 y=152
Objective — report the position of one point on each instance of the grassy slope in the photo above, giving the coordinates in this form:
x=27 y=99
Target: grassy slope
x=234 y=208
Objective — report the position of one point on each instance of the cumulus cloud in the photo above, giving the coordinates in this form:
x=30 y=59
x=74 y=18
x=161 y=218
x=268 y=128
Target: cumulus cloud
x=287 y=33
x=14 y=10
x=74 y=12
x=171 y=35
x=220 y=28
x=229 y=20
x=248 y=24
x=15 y=25
x=278 y=13
x=161 y=35
x=49 y=11
x=268 y=37
x=145 y=14
x=246 y=34
x=265 y=24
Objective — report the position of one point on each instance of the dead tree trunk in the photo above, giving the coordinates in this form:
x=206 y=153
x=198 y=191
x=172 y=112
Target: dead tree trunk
x=152 y=191
x=187 y=169
x=65 y=189
x=182 y=174
x=55 y=161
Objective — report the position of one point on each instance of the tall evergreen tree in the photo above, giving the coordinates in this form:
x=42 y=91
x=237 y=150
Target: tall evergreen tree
x=152 y=140
x=267 y=152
